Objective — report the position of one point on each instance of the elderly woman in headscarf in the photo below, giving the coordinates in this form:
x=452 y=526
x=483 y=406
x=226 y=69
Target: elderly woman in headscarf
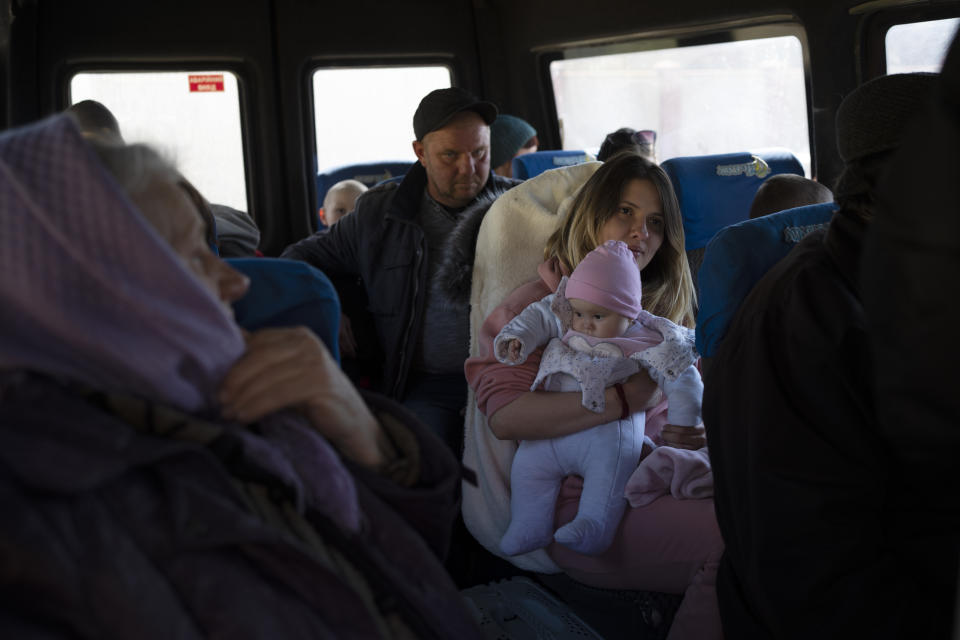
x=165 y=475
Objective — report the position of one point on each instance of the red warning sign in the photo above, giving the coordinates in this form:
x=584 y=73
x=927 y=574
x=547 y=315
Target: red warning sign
x=212 y=82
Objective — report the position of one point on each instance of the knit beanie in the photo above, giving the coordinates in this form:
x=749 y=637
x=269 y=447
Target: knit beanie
x=871 y=119
x=870 y=125
x=508 y=134
x=608 y=276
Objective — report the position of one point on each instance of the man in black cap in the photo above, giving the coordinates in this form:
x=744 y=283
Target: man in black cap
x=410 y=245
x=826 y=534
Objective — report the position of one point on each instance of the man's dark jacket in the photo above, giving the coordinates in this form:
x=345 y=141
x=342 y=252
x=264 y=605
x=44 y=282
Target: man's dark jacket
x=824 y=536
x=383 y=244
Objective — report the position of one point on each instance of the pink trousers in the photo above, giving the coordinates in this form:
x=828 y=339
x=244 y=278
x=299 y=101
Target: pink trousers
x=669 y=545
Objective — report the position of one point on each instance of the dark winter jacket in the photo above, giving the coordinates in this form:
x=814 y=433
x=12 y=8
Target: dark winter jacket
x=112 y=530
x=383 y=244
x=824 y=537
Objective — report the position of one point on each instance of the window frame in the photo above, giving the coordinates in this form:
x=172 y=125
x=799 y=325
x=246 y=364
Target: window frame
x=713 y=33
x=315 y=64
x=874 y=27
x=68 y=71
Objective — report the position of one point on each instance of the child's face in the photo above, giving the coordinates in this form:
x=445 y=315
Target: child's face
x=594 y=320
x=338 y=204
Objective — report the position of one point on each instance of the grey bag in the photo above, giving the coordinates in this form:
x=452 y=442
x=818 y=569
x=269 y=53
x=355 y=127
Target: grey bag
x=520 y=609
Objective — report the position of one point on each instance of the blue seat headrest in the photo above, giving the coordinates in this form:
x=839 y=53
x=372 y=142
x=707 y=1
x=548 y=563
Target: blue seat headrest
x=716 y=191
x=369 y=173
x=738 y=256
x=533 y=164
x=288 y=293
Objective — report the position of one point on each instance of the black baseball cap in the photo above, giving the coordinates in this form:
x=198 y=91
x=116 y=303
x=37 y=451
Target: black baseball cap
x=439 y=106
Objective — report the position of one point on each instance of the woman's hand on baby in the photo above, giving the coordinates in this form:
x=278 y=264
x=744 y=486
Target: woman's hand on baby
x=641 y=391
x=291 y=368
x=684 y=437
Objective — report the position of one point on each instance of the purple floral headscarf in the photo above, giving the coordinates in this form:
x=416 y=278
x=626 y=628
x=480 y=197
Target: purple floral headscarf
x=89 y=292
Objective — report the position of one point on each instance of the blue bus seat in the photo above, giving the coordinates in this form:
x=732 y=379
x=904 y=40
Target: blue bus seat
x=532 y=164
x=716 y=191
x=369 y=173
x=288 y=293
x=738 y=256
x=390 y=180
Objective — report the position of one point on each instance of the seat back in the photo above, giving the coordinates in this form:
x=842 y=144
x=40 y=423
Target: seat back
x=236 y=232
x=533 y=164
x=738 y=256
x=288 y=293
x=716 y=191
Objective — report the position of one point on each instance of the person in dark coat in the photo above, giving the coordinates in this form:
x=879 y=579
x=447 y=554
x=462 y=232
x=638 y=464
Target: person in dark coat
x=824 y=530
x=164 y=475
x=911 y=264
x=411 y=244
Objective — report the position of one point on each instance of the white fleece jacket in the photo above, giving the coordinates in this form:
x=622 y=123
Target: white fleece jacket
x=509 y=248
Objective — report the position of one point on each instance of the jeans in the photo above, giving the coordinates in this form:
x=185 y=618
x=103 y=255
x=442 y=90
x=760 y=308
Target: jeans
x=439 y=401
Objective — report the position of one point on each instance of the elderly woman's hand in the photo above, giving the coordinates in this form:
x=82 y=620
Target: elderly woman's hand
x=292 y=369
x=684 y=437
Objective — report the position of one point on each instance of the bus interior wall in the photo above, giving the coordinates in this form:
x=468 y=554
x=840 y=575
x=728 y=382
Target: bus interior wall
x=498 y=49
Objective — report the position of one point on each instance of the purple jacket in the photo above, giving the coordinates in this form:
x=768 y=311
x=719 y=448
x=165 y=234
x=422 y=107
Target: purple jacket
x=109 y=532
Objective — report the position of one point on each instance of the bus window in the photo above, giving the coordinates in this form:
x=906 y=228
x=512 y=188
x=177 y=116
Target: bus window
x=365 y=114
x=192 y=118
x=705 y=99
x=919 y=46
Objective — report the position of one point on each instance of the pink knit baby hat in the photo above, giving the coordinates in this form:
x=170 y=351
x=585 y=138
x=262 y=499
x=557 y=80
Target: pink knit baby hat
x=608 y=276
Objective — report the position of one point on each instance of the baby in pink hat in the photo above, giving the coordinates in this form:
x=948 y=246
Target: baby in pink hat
x=606 y=338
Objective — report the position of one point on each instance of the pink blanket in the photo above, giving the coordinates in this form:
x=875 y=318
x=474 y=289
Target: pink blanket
x=682 y=473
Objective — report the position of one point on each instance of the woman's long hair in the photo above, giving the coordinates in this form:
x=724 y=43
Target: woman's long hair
x=667 y=284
